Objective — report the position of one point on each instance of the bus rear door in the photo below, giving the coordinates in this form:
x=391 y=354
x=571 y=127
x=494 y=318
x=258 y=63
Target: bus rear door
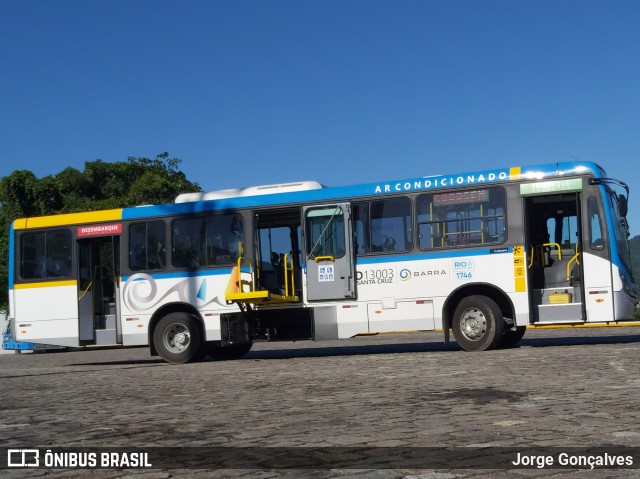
x=98 y=290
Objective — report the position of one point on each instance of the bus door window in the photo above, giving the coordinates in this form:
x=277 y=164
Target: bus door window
x=325 y=229
x=620 y=230
x=563 y=232
x=596 y=239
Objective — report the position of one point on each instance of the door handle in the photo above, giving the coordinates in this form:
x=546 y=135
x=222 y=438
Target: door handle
x=325 y=258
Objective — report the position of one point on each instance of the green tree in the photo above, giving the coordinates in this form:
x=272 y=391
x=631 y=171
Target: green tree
x=101 y=185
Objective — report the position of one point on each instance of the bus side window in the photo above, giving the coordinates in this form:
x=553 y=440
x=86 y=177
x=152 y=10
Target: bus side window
x=147 y=246
x=391 y=227
x=223 y=234
x=32 y=256
x=137 y=247
x=188 y=243
x=156 y=245
x=361 y=228
x=461 y=218
x=58 y=254
x=46 y=255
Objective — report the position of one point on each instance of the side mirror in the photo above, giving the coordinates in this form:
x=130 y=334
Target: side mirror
x=623 y=206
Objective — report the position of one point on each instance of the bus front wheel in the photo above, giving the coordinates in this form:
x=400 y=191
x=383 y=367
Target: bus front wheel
x=477 y=323
x=178 y=339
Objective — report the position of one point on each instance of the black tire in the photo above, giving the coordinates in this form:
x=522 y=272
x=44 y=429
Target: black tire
x=510 y=337
x=178 y=338
x=477 y=323
x=235 y=351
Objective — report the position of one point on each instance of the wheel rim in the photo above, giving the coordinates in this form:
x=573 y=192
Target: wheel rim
x=177 y=338
x=473 y=324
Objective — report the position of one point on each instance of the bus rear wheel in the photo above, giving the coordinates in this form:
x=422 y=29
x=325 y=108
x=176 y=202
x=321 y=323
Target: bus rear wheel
x=235 y=351
x=178 y=338
x=477 y=323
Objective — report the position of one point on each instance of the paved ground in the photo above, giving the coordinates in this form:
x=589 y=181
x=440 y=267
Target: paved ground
x=383 y=395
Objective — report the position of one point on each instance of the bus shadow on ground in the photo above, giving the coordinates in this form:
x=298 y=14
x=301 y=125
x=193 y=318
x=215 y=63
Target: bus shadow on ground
x=433 y=347
x=293 y=353
x=350 y=350
x=579 y=340
x=391 y=348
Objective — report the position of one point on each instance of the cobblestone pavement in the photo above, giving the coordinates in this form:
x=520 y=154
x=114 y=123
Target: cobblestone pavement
x=562 y=388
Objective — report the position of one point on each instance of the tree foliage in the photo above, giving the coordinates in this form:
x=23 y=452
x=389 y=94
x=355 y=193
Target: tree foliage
x=100 y=185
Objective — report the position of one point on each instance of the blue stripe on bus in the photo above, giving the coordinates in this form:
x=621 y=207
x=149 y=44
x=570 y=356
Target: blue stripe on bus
x=431 y=255
x=184 y=274
x=365 y=260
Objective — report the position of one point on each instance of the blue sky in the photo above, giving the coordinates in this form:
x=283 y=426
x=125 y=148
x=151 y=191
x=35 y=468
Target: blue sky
x=351 y=91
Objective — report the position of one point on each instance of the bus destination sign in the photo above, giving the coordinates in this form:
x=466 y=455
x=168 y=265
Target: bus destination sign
x=544 y=187
x=100 y=230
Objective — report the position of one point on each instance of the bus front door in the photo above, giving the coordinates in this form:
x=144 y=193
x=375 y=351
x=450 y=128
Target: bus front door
x=569 y=283
x=330 y=269
x=98 y=290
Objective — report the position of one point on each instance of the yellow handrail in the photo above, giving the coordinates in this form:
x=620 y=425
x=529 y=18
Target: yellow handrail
x=288 y=271
x=557 y=246
x=575 y=258
x=240 y=259
x=325 y=258
x=84 y=293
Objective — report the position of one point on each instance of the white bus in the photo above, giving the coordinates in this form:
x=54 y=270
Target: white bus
x=482 y=254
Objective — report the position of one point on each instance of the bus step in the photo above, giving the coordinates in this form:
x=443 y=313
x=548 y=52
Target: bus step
x=106 y=322
x=106 y=336
x=559 y=313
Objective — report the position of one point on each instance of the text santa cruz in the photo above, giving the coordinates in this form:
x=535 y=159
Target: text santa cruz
x=443 y=181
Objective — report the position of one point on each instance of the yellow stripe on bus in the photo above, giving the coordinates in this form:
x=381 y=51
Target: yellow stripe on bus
x=68 y=219
x=514 y=173
x=45 y=284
